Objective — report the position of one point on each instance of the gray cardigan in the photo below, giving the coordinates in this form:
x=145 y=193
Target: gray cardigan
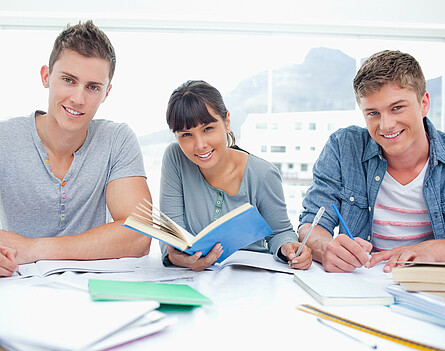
x=187 y=198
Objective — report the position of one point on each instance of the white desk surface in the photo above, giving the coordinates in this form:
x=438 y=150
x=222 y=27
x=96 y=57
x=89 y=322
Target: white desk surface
x=255 y=309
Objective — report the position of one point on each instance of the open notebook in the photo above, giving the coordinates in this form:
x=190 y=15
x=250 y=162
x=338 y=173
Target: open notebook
x=64 y=319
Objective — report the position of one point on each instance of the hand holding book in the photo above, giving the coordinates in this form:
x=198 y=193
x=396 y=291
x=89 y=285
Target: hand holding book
x=235 y=230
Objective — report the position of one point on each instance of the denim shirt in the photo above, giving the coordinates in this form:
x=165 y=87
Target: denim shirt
x=349 y=173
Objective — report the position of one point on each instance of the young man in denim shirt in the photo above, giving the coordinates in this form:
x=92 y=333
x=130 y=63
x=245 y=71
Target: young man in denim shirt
x=388 y=180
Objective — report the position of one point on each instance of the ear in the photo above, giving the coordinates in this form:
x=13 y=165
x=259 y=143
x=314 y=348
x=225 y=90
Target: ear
x=425 y=104
x=227 y=121
x=108 y=91
x=44 y=75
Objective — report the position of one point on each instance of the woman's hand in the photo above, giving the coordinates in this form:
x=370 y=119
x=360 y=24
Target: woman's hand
x=303 y=261
x=196 y=262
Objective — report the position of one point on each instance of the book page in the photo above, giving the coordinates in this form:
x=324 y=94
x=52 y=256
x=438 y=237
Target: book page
x=46 y=267
x=181 y=240
x=260 y=260
x=52 y=328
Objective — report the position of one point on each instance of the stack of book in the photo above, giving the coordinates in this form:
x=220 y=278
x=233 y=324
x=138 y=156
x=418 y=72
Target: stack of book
x=420 y=291
x=426 y=277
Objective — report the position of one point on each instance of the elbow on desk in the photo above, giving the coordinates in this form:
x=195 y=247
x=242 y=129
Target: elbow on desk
x=140 y=245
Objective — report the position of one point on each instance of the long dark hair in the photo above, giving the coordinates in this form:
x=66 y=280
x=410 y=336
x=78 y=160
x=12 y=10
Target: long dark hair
x=187 y=106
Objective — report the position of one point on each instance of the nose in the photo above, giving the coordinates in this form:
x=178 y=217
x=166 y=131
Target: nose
x=387 y=123
x=78 y=96
x=200 y=142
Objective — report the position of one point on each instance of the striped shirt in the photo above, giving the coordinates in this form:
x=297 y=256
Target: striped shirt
x=400 y=214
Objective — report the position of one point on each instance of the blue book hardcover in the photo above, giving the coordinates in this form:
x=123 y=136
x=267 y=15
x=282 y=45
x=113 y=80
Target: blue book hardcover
x=235 y=230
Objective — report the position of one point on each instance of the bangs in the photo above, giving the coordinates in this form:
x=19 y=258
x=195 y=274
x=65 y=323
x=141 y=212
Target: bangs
x=189 y=111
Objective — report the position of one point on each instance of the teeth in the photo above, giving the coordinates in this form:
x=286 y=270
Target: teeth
x=389 y=136
x=205 y=155
x=72 y=111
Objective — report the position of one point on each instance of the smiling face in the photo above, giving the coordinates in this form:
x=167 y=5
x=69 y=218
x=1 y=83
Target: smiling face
x=206 y=144
x=394 y=118
x=77 y=86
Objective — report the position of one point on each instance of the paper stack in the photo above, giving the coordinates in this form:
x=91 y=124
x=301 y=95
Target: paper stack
x=420 y=291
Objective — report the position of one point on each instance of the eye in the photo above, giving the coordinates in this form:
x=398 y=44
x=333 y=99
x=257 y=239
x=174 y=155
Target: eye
x=397 y=108
x=208 y=128
x=184 y=135
x=68 y=80
x=373 y=113
x=94 y=87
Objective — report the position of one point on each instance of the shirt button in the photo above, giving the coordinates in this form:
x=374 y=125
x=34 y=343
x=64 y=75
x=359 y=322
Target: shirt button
x=369 y=208
x=377 y=178
x=351 y=199
x=62 y=218
x=369 y=237
x=218 y=202
x=63 y=196
x=62 y=207
x=63 y=183
x=217 y=211
x=47 y=161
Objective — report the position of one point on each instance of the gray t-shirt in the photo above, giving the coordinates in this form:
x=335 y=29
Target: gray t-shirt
x=188 y=199
x=34 y=203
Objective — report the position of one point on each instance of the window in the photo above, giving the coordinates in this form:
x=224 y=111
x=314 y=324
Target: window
x=280 y=64
x=275 y=148
x=312 y=148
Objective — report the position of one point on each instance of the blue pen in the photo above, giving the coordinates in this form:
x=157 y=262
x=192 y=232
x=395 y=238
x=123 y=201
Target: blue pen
x=342 y=221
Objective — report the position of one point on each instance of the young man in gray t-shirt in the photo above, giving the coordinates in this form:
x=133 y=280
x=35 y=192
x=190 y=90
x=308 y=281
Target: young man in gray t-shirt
x=61 y=171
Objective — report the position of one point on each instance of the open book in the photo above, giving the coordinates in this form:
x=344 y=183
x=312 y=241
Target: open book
x=67 y=319
x=44 y=268
x=253 y=259
x=235 y=230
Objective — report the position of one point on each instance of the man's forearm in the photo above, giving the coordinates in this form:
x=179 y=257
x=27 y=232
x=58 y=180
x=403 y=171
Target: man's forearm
x=110 y=240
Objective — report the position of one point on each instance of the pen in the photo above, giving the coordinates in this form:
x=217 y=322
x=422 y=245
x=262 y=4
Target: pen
x=372 y=346
x=342 y=221
x=348 y=231
x=314 y=223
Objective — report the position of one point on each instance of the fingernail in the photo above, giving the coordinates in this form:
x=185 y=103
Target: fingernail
x=387 y=269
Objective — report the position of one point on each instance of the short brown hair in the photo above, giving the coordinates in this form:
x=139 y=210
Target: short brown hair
x=87 y=40
x=389 y=67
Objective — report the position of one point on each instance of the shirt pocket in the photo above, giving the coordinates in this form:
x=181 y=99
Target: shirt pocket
x=355 y=210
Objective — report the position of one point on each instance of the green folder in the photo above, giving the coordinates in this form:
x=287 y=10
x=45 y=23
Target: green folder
x=171 y=294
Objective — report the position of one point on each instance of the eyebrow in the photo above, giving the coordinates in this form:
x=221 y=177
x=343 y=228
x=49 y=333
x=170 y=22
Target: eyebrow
x=77 y=78
x=395 y=103
x=188 y=130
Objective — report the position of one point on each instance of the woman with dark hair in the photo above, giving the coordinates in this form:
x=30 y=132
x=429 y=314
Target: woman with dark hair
x=205 y=175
